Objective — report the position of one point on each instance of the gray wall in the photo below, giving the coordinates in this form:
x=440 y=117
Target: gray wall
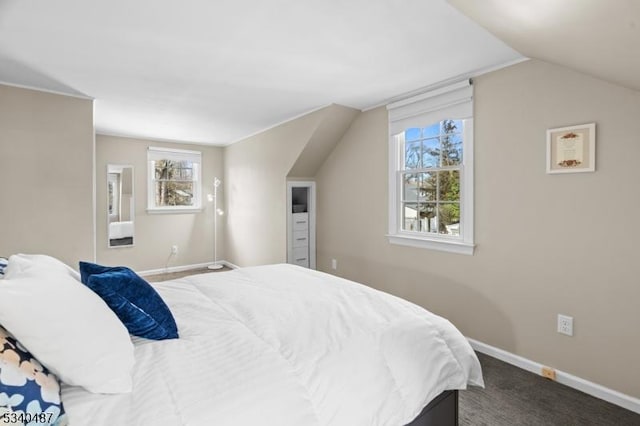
x=546 y=244
x=256 y=172
x=255 y=191
x=156 y=233
x=46 y=170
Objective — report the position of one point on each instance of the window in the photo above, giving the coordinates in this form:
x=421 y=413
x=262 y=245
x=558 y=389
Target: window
x=174 y=180
x=431 y=170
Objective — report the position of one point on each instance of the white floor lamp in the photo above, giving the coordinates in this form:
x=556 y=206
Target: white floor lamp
x=216 y=212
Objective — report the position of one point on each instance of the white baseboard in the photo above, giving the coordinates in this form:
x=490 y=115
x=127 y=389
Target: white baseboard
x=229 y=264
x=184 y=268
x=593 y=389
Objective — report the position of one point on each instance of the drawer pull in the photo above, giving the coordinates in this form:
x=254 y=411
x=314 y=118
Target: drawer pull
x=301 y=221
x=300 y=239
x=300 y=260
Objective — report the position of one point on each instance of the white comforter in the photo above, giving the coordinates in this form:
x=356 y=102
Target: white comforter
x=282 y=345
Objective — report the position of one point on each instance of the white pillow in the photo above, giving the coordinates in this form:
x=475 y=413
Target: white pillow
x=67 y=327
x=21 y=263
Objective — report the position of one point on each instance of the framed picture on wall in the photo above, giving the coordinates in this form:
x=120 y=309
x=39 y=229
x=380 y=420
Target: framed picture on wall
x=571 y=149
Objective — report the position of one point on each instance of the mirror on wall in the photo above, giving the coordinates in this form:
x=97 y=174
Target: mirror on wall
x=120 y=206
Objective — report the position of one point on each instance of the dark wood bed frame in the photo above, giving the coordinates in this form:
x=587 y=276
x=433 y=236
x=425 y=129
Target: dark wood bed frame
x=442 y=411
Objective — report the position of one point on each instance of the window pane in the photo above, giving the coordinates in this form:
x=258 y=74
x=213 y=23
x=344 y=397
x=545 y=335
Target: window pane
x=431 y=198
x=449 y=185
x=161 y=169
x=181 y=170
x=173 y=170
x=412 y=134
x=428 y=218
x=173 y=179
x=410 y=217
x=164 y=169
x=431 y=153
x=451 y=149
x=186 y=174
x=172 y=193
x=449 y=215
x=431 y=131
x=428 y=185
x=412 y=155
x=184 y=170
x=450 y=126
x=410 y=186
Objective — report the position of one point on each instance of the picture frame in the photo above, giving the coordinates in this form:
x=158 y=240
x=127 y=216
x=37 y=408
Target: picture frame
x=571 y=149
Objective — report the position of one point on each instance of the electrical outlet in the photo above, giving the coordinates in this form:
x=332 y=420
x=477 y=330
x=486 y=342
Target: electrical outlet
x=565 y=325
x=174 y=249
x=334 y=264
x=549 y=373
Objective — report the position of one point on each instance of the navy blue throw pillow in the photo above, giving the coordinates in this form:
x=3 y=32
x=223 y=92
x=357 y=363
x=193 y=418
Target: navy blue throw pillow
x=134 y=301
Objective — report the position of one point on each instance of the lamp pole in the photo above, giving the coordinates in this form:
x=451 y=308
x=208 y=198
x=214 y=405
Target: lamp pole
x=216 y=212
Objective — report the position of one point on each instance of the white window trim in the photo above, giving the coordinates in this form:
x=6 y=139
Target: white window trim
x=196 y=157
x=461 y=245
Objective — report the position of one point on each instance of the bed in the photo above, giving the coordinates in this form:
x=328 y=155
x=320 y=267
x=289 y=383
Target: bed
x=283 y=345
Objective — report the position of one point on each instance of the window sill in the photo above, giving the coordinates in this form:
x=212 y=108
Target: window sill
x=174 y=211
x=458 y=247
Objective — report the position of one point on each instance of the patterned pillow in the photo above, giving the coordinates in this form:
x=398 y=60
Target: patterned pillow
x=3 y=264
x=29 y=393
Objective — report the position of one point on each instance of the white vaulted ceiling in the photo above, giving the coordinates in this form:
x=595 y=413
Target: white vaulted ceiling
x=597 y=37
x=216 y=71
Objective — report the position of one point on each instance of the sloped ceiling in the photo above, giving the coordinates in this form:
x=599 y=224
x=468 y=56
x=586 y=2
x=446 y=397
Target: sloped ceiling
x=600 y=38
x=334 y=122
x=217 y=71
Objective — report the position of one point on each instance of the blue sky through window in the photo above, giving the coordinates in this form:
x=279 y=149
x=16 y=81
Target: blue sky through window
x=412 y=134
x=431 y=131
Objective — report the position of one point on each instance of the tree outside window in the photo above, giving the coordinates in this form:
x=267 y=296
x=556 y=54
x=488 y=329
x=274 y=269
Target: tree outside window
x=431 y=178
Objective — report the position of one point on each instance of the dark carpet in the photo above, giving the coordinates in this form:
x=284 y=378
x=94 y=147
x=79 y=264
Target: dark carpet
x=514 y=397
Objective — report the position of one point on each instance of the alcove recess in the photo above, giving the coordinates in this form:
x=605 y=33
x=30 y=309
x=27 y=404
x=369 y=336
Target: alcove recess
x=301 y=226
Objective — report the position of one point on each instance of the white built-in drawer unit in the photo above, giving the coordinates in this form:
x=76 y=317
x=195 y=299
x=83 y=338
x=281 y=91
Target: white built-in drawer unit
x=300 y=221
x=301 y=239
x=301 y=256
x=301 y=226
